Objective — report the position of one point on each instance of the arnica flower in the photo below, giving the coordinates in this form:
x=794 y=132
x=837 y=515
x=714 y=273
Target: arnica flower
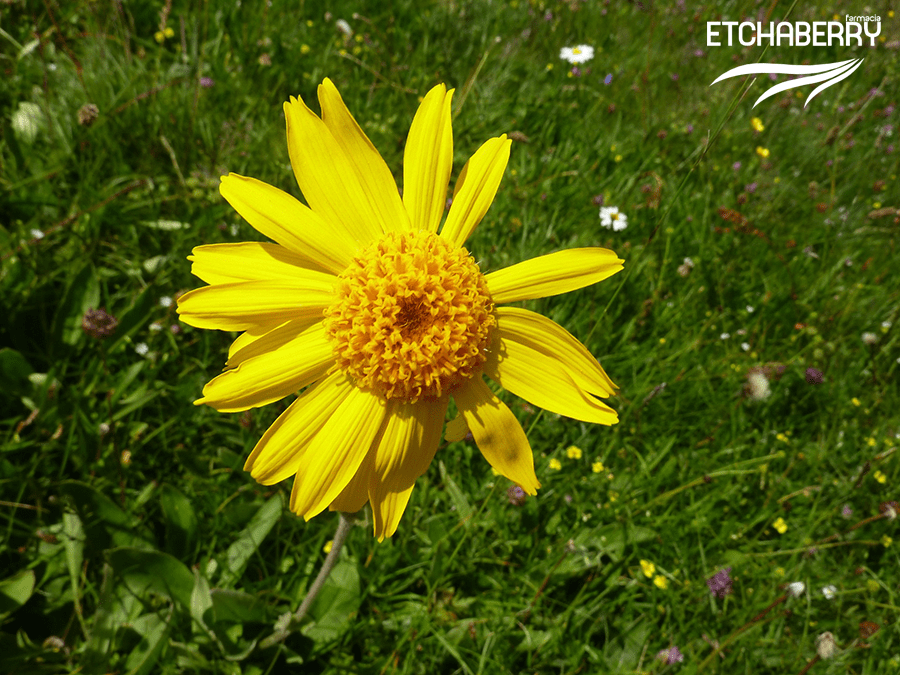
x=375 y=320
x=578 y=54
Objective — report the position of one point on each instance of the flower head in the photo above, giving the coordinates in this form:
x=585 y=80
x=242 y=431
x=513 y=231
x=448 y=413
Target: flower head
x=577 y=54
x=98 y=323
x=796 y=588
x=829 y=591
x=648 y=568
x=573 y=452
x=720 y=584
x=670 y=655
x=378 y=316
x=611 y=217
x=762 y=152
x=757 y=124
x=780 y=525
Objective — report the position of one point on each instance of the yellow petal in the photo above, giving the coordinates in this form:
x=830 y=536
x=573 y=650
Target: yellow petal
x=475 y=189
x=356 y=494
x=410 y=439
x=456 y=429
x=272 y=374
x=268 y=339
x=247 y=261
x=371 y=171
x=550 y=339
x=251 y=335
x=541 y=379
x=327 y=176
x=336 y=453
x=284 y=219
x=498 y=433
x=277 y=454
x=387 y=509
x=552 y=274
x=428 y=160
x=252 y=304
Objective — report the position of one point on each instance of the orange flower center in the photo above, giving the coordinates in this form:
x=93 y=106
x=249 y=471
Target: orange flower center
x=412 y=318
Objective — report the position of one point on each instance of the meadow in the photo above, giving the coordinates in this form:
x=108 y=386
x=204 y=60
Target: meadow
x=740 y=517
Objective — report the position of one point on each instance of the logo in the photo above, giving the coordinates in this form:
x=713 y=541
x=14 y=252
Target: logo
x=798 y=34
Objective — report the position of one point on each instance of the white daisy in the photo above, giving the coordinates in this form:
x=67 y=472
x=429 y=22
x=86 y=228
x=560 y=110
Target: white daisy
x=829 y=592
x=577 y=54
x=611 y=217
x=796 y=588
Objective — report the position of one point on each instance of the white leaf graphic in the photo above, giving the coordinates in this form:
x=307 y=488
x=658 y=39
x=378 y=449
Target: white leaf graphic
x=832 y=72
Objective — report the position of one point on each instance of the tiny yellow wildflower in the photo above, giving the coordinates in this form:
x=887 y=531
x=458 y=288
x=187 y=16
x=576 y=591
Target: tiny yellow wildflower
x=549 y=67
x=780 y=525
x=660 y=582
x=779 y=571
x=782 y=438
x=855 y=401
x=761 y=151
x=886 y=541
x=871 y=442
x=618 y=158
x=757 y=124
x=613 y=496
x=555 y=464
x=305 y=49
x=648 y=568
x=876 y=205
x=597 y=467
x=159 y=36
x=327 y=547
x=168 y=32
x=573 y=452
x=880 y=477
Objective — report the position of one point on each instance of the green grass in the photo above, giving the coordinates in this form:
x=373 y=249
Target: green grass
x=134 y=543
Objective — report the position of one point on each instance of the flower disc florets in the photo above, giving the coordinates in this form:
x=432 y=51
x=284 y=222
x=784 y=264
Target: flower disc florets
x=412 y=318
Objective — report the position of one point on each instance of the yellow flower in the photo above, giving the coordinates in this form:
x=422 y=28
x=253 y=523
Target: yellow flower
x=648 y=568
x=781 y=437
x=886 y=541
x=304 y=49
x=168 y=32
x=871 y=442
x=555 y=464
x=757 y=124
x=855 y=401
x=880 y=477
x=379 y=320
x=618 y=158
x=660 y=582
x=761 y=151
x=327 y=547
x=779 y=571
x=573 y=452
x=597 y=467
x=780 y=525
x=159 y=36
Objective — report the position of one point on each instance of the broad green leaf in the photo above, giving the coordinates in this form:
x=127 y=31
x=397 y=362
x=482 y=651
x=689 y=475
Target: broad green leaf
x=104 y=523
x=337 y=603
x=14 y=373
x=248 y=541
x=155 y=632
x=181 y=522
x=456 y=495
x=237 y=607
x=15 y=591
x=117 y=607
x=144 y=571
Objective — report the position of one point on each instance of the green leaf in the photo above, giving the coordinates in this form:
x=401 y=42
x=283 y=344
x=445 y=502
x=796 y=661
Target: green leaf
x=237 y=607
x=82 y=294
x=133 y=318
x=249 y=539
x=155 y=632
x=14 y=373
x=337 y=603
x=456 y=495
x=181 y=522
x=144 y=571
x=104 y=523
x=15 y=591
x=117 y=607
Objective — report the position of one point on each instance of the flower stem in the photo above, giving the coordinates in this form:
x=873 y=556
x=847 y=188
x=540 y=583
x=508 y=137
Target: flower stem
x=290 y=622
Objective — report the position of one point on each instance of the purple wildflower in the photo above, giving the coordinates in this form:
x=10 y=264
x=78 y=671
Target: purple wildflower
x=98 y=323
x=608 y=79
x=671 y=655
x=736 y=166
x=576 y=71
x=515 y=495
x=674 y=77
x=814 y=376
x=690 y=128
x=548 y=16
x=720 y=583
x=207 y=82
x=751 y=187
x=598 y=200
x=846 y=512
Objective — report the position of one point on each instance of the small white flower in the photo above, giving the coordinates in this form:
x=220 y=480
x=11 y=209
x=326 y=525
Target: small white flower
x=611 y=217
x=745 y=346
x=577 y=54
x=37 y=234
x=689 y=262
x=829 y=592
x=749 y=309
x=869 y=338
x=165 y=301
x=886 y=325
x=796 y=588
x=758 y=386
x=142 y=349
x=343 y=27
x=724 y=336
x=825 y=645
